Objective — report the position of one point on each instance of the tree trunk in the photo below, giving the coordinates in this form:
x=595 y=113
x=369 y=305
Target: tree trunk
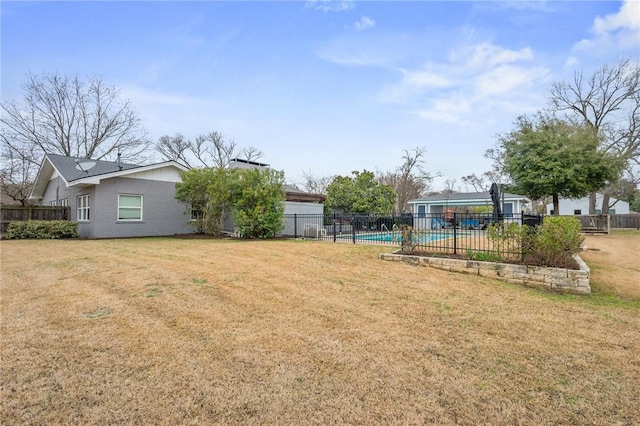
x=556 y=205
x=592 y=203
x=605 y=203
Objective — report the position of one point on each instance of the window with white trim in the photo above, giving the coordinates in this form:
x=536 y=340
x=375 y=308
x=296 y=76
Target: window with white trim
x=196 y=214
x=82 y=204
x=61 y=203
x=129 y=207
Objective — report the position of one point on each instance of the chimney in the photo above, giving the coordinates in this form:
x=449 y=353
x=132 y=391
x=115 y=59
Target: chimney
x=118 y=162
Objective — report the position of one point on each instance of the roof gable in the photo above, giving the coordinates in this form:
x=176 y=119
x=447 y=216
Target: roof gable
x=71 y=170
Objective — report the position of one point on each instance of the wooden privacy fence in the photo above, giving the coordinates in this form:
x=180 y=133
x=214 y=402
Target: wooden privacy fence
x=604 y=222
x=625 y=221
x=10 y=214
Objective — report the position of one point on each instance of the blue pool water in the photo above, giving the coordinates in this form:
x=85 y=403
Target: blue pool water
x=394 y=237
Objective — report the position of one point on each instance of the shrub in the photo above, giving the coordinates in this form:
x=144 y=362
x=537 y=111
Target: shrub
x=484 y=256
x=553 y=243
x=42 y=229
x=556 y=242
x=407 y=242
x=509 y=236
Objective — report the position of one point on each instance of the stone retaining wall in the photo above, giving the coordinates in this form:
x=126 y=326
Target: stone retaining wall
x=555 y=279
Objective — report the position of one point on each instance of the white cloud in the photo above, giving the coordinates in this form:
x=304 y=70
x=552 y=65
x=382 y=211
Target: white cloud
x=364 y=23
x=362 y=57
x=474 y=86
x=506 y=79
x=488 y=55
x=617 y=32
x=627 y=18
x=425 y=78
x=330 y=5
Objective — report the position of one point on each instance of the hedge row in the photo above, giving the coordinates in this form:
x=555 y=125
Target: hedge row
x=42 y=229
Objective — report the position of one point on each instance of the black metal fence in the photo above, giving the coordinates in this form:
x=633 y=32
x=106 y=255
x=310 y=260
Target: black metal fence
x=458 y=233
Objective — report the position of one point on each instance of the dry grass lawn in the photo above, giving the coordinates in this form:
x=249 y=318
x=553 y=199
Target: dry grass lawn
x=197 y=331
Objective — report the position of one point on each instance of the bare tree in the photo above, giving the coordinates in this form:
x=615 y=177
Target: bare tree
x=64 y=115
x=207 y=150
x=17 y=172
x=314 y=184
x=174 y=148
x=609 y=102
x=483 y=182
x=450 y=186
x=476 y=183
x=410 y=180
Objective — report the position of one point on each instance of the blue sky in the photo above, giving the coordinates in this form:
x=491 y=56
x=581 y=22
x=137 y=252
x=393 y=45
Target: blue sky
x=326 y=87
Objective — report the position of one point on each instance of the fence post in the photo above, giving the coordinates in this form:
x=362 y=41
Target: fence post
x=334 y=227
x=295 y=226
x=353 y=228
x=455 y=233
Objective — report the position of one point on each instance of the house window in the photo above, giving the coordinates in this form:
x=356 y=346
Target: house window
x=422 y=210
x=62 y=203
x=578 y=211
x=612 y=211
x=129 y=207
x=83 y=208
x=196 y=214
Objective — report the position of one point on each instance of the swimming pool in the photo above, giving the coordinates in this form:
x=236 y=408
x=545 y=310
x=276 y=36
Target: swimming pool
x=394 y=237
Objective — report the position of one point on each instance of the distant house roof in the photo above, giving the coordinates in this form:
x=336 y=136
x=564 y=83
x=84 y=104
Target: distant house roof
x=79 y=171
x=465 y=196
x=295 y=194
x=239 y=162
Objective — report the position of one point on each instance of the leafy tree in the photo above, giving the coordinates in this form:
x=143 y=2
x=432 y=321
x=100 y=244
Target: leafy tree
x=408 y=181
x=550 y=157
x=208 y=192
x=634 y=201
x=258 y=200
x=607 y=102
x=360 y=193
x=254 y=198
x=67 y=116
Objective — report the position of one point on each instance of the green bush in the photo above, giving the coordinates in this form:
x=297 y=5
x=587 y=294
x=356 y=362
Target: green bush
x=484 y=256
x=555 y=243
x=42 y=229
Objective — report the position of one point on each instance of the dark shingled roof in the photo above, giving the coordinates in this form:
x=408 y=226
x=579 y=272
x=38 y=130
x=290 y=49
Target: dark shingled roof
x=67 y=167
